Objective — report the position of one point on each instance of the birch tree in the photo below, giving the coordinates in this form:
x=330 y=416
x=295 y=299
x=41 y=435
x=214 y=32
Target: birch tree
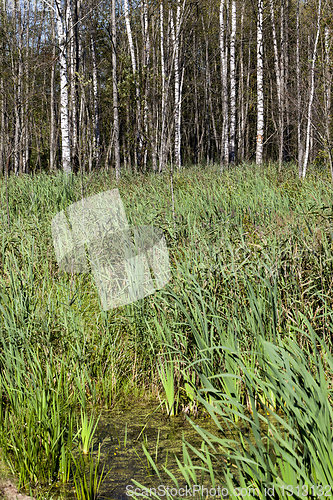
x=18 y=91
x=232 y=153
x=279 y=84
x=26 y=91
x=52 y=99
x=299 y=97
x=61 y=17
x=224 y=78
x=115 y=90
x=96 y=136
x=163 y=91
x=137 y=156
x=178 y=84
x=145 y=66
x=312 y=88
x=243 y=92
x=3 y=100
x=328 y=98
x=260 y=84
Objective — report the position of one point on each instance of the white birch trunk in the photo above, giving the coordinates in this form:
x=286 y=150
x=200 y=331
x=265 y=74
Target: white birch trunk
x=328 y=100
x=283 y=84
x=137 y=88
x=78 y=54
x=286 y=152
x=146 y=63
x=115 y=90
x=52 y=103
x=299 y=97
x=224 y=71
x=260 y=85
x=177 y=113
x=278 y=81
x=232 y=150
x=96 y=137
x=72 y=84
x=163 y=99
x=241 y=90
x=309 y=124
x=18 y=96
x=64 y=118
x=2 y=132
x=25 y=110
x=129 y=35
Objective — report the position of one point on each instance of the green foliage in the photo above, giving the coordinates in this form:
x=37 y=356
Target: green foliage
x=246 y=320
x=88 y=489
x=88 y=429
x=280 y=443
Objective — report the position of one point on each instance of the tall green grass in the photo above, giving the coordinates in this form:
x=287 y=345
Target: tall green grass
x=245 y=321
x=279 y=423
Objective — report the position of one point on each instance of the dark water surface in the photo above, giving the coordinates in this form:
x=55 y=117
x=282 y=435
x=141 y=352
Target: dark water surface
x=162 y=436
x=121 y=432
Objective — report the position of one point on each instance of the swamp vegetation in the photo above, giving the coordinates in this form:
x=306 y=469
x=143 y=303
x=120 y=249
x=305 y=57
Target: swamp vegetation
x=241 y=335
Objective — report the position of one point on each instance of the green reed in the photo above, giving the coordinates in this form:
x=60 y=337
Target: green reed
x=88 y=484
x=282 y=441
x=166 y=374
x=251 y=258
x=88 y=429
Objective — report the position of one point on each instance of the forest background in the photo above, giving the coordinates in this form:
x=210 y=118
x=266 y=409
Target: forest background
x=137 y=85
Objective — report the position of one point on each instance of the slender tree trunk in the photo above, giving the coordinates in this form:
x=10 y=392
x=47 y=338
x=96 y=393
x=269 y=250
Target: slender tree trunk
x=224 y=76
x=260 y=85
x=115 y=90
x=64 y=118
x=109 y=151
x=328 y=100
x=175 y=39
x=246 y=126
x=72 y=78
x=18 y=95
x=78 y=53
x=154 y=114
x=96 y=138
x=196 y=110
x=53 y=145
x=137 y=159
x=232 y=150
x=241 y=92
x=286 y=84
x=208 y=98
x=206 y=84
x=309 y=124
x=278 y=77
x=129 y=36
x=3 y=101
x=163 y=100
x=2 y=134
x=82 y=142
x=299 y=97
x=25 y=92
x=217 y=142
x=283 y=87
x=146 y=63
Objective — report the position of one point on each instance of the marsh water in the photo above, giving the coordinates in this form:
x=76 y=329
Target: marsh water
x=146 y=425
x=123 y=431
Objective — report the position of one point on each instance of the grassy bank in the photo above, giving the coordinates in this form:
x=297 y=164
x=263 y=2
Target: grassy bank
x=243 y=328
